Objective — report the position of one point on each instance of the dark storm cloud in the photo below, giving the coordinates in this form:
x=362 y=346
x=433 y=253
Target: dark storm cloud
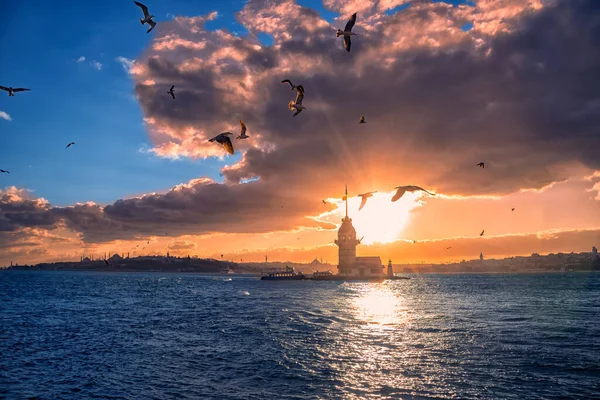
x=199 y=207
x=522 y=101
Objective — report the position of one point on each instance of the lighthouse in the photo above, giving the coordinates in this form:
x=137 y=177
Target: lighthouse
x=348 y=264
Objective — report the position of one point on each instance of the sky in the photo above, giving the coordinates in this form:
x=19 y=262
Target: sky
x=442 y=85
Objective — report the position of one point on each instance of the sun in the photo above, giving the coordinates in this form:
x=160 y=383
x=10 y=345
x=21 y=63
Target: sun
x=380 y=220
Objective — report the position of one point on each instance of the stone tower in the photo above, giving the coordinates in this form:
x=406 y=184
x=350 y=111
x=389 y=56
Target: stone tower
x=347 y=243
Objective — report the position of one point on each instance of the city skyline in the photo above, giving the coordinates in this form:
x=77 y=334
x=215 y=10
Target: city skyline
x=443 y=86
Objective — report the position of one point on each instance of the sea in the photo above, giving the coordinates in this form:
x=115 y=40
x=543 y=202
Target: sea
x=93 y=335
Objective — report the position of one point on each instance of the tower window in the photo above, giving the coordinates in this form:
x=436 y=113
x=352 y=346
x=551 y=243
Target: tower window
x=344 y=237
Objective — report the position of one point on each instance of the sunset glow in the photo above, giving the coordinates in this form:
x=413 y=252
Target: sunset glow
x=443 y=87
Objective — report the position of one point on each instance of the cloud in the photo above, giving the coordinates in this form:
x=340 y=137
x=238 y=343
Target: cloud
x=125 y=63
x=5 y=116
x=96 y=65
x=93 y=63
x=429 y=90
x=198 y=207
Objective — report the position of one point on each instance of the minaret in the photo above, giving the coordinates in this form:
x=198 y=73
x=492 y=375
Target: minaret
x=347 y=243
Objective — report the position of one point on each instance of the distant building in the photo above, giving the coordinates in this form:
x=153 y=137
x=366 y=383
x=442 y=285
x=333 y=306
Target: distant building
x=115 y=258
x=348 y=263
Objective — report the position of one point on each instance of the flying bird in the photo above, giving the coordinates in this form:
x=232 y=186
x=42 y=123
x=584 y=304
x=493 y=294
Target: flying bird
x=481 y=164
x=297 y=105
x=364 y=197
x=69 y=145
x=512 y=209
x=362 y=120
x=409 y=188
x=294 y=87
x=481 y=234
x=347 y=32
x=324 y=202
x=242 y=131
x=223 y=139
x=448 y=248
x=147 y=17
x=172 y=92
x=4 y=172
x=11 y=91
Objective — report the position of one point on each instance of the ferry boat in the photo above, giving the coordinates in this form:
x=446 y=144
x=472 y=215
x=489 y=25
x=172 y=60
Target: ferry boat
x=323 y=276
x=289 y=274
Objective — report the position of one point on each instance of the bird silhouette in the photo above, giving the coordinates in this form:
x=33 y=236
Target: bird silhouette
x=364 y=197
x=362 y=120
x=297 y=105
x=242 y=131
x=172 y=92
x=409 y=188
x=481 y=234
x=324 y=202
x=512 y=209
x=347 y=32
x=449 y=247
x=223 y=140
x=69 y=145
x=2 y=171
x=11 y=91
x=147 y=17
x=481 y=164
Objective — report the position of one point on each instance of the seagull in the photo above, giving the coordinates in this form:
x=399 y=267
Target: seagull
x=324 y=202
x=4 y=172
x=297 y=105
x=448 y=248
x=362 y=120
x=147 y=17
x=294 y=87
x=69 y=145
x=172 y=92
x=243 y=131
x=223 y=139
x=409 y=188
x=364 y=197
x=11 y=91
x=481 y=234
x=512 y=209
x=481 y=164
x=347 y=32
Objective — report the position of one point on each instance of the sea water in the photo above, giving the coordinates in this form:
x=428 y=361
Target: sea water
x=75 y=335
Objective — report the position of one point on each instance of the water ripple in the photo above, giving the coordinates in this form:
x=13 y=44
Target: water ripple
x=185 y=336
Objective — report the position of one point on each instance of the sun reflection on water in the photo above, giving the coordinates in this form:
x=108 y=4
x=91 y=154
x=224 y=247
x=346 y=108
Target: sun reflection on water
x=378 y=304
